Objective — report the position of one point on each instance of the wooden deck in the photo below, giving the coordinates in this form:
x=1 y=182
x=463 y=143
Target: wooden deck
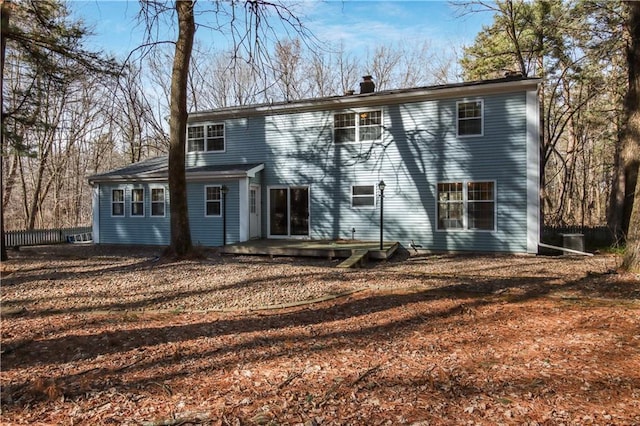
x=330 y=249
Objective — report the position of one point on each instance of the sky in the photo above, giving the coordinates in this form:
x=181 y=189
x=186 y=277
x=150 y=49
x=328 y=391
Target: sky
x=355 y=24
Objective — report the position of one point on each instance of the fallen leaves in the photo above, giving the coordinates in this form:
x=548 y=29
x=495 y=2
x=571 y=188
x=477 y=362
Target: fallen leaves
x=433 y=340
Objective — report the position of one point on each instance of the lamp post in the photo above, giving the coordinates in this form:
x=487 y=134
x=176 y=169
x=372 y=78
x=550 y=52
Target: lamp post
x=381 y=187
x=224 y=191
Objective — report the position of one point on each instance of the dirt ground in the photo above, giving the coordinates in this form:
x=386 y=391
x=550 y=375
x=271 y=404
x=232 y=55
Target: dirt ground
x=110 y=335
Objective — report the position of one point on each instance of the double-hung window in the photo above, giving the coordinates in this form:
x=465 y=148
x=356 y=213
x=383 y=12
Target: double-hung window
x=450 y=205
x=137 y=202
x=364 y=126
x=470 y=118
x=206 y=137
x=213 y=200
x=117 y=202
x=467 y=205
x=363 y=196
x=157 y=202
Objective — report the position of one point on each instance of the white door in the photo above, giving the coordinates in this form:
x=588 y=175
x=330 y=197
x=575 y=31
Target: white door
x=254 y=212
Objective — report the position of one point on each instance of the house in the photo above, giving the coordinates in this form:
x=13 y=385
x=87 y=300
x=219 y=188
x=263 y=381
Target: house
x=460 y=163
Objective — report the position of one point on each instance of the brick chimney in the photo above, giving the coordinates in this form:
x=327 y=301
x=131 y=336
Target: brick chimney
x=367 y=85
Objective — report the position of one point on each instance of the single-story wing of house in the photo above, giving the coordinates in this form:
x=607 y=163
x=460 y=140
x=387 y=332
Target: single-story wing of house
x=458 y=164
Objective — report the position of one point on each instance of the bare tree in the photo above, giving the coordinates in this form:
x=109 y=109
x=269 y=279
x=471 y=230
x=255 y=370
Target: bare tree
x=632 y=137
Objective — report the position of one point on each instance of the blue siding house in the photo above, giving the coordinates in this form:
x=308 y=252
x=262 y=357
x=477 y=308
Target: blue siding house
x=460 y=164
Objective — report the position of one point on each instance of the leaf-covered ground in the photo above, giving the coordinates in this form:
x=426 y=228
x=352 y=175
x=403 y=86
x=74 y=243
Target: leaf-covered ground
x=97 y=335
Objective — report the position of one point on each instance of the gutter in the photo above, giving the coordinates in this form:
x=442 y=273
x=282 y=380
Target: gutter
x=368 y=99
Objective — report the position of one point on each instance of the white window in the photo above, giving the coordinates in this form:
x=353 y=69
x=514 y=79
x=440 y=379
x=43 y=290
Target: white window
x=363 y=196
x=467 y=205
x=253 y=196
x=117 y=202
x=470 y=118
x=157 y=202
x=213 y=200
x=206 y=137
x=450 y=206
x=364 y=126
x=137 y=202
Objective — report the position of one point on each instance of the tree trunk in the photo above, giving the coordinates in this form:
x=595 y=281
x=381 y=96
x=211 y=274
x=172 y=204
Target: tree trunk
x=5 y=11
x=180 y=230
x=632 y=138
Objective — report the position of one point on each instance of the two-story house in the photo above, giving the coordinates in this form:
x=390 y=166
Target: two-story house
x=460 y=163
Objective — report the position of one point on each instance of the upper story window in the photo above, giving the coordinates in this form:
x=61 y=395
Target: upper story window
x=364 y=126
x=467 y=205
x=205 y=137
x=363 y=196
x=117 y=202
x=470 y=118
x=137 y=202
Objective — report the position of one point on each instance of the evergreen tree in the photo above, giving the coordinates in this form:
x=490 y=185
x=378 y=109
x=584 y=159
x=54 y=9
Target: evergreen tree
x=40 y=34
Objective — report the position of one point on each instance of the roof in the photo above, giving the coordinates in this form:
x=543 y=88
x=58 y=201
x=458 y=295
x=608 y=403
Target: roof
x=395 y=96
x=157 y=169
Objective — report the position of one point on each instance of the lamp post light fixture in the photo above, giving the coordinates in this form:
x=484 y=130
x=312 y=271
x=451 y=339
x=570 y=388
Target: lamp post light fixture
x=224 y=191
x=381 y=187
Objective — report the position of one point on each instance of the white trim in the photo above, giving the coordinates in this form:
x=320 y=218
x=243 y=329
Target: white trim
x=258 y=206
x=131 y=202
x=288 y=235
x=205 y=138
x=533 y=171
x=243 y=209
x=467 y=101
x=374 y=195
x=151 y=202
x=465 y=202
x=207 y=200
x=95 y=206
x=356 y=112
x=124 y=202
x=191 y=177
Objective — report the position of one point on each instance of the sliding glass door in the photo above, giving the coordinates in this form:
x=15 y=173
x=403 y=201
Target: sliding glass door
x=289 y=211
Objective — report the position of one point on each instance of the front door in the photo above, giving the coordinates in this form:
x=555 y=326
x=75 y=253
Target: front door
x=289 y=211
x=254 y=212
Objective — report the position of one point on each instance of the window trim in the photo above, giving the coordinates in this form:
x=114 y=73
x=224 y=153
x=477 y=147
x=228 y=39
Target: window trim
x=206 y=200
x=204 y=126
x=374 y=195
x=356 y=113
x=131 y=202
x=465 y=203
x=123 y=202
x=164 y=201
x=467 y=101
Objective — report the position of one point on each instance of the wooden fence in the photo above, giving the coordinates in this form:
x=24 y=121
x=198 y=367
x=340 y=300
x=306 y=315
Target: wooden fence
x=594 y=236
x=36 y=237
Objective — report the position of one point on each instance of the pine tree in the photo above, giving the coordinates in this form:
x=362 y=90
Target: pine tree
x=46 y=41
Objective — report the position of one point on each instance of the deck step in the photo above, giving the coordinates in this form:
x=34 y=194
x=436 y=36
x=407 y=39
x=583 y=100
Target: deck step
x=356 y=259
